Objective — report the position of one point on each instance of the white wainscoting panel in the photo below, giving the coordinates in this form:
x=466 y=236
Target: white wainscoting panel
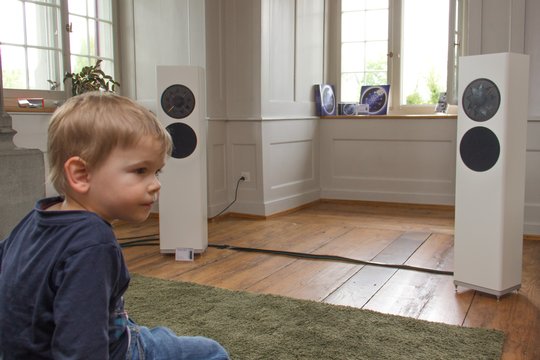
x=532 y=179
x=244 y=155
x=217 y=167
x=394 y=160
x=295 y=159
x=291 y=166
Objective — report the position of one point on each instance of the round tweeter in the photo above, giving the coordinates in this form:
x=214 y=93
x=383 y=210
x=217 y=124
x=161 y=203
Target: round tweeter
x=177 y=101
x=479 y=149
x=481 y=100
x=184 y=140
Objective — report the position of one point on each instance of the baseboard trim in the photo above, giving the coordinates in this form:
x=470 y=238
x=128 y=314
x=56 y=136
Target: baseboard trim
x=392 y=204
x=390 y=197
x=263 y=217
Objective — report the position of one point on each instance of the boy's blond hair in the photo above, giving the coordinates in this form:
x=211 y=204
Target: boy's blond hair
x=91 y=125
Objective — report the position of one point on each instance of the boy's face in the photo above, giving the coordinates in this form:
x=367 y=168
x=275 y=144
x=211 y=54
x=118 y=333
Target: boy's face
x=125 y=186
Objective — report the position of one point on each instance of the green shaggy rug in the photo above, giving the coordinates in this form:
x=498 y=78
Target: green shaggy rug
x=255 y=326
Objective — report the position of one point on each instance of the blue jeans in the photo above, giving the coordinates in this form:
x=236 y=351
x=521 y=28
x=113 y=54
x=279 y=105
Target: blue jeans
x=160 y=343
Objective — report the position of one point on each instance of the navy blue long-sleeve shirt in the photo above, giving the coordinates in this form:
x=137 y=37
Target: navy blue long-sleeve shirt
x=62 y=277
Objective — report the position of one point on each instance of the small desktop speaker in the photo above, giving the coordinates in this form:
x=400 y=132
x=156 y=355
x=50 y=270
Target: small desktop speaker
x=490 y=172
x=181 y=108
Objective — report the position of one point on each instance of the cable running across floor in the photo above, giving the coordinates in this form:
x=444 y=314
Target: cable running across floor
x=150 y=241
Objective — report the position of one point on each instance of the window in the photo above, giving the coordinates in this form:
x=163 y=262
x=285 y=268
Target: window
x=91 y=34
x=410 y=44
x=364 y=46
x=41 y=40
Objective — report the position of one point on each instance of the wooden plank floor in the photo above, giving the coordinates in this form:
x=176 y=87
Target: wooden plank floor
x=365 y=231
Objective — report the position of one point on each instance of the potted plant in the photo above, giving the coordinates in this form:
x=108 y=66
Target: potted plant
x=91 y=78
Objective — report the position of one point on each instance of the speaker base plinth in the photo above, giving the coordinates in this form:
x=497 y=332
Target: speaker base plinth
x=497 y=293
x=173 y=251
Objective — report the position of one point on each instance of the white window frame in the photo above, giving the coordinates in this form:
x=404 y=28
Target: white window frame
x=455 y=46
x=59 y=96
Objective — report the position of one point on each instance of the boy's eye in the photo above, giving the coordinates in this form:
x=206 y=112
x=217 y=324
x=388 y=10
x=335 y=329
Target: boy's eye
x=140 y=171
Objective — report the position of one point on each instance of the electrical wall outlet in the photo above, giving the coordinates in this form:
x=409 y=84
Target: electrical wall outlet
x=246 y=175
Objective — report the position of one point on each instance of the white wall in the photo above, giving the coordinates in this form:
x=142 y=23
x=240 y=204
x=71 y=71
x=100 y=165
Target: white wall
x=532 y=177
x=158 y=32
x=292 y=56
x=405 y=160
x=260 y=111
x=263 y=58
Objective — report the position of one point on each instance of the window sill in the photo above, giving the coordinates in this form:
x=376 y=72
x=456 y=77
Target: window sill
x=16 y=109
x=393 y=117
x=11 y=106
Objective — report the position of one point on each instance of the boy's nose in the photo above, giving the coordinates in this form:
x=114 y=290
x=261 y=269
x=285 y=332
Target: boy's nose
x=156 y=185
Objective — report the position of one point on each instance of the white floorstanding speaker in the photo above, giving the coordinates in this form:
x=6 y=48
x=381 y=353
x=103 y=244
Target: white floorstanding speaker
x=183 y=197
x=490 y=172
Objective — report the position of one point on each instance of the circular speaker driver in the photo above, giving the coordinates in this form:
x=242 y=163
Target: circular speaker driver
x=177 y=101
x=479 y=149
x=481 y=100
x=184 y=140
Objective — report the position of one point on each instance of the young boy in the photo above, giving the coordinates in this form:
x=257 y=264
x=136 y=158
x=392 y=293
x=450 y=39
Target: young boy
x=62 y=273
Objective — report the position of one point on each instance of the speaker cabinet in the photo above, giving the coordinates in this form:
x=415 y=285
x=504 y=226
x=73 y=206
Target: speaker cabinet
x=183 y=198
x=490 y=172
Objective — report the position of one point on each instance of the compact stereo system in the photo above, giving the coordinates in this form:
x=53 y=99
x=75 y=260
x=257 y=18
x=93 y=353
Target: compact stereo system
x=490 y=172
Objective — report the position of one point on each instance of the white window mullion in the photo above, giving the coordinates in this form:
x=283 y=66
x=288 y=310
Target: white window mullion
x=455 y=47
x=453 y=42
x=394 y=53
x=96 y=29
x=66 y=58
x=25 y=37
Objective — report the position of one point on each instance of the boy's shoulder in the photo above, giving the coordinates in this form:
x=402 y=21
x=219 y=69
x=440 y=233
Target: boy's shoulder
x=73 y=227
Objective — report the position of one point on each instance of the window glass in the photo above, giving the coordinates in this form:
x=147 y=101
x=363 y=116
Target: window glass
x=91 y=8
x=404 y=43
x=31 y=41
x=13 y=67
x=78 y=62
x=107 y=66
x=30 y=37
x=424 y=50
x=12 y=22
x=79 y=37
x=39 y=17
x=106 y=48
x=38 y=68
x=77 y=7
x=364 y=46
x=104 y=9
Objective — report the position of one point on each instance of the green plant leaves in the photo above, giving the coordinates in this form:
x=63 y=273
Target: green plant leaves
x=91 y=78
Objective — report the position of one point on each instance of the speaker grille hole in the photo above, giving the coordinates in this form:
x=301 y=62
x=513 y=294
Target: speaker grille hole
x=479 y=149
x=184 y=140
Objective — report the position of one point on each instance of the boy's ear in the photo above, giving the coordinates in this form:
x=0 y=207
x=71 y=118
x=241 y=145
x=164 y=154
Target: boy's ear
x=77 y=175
